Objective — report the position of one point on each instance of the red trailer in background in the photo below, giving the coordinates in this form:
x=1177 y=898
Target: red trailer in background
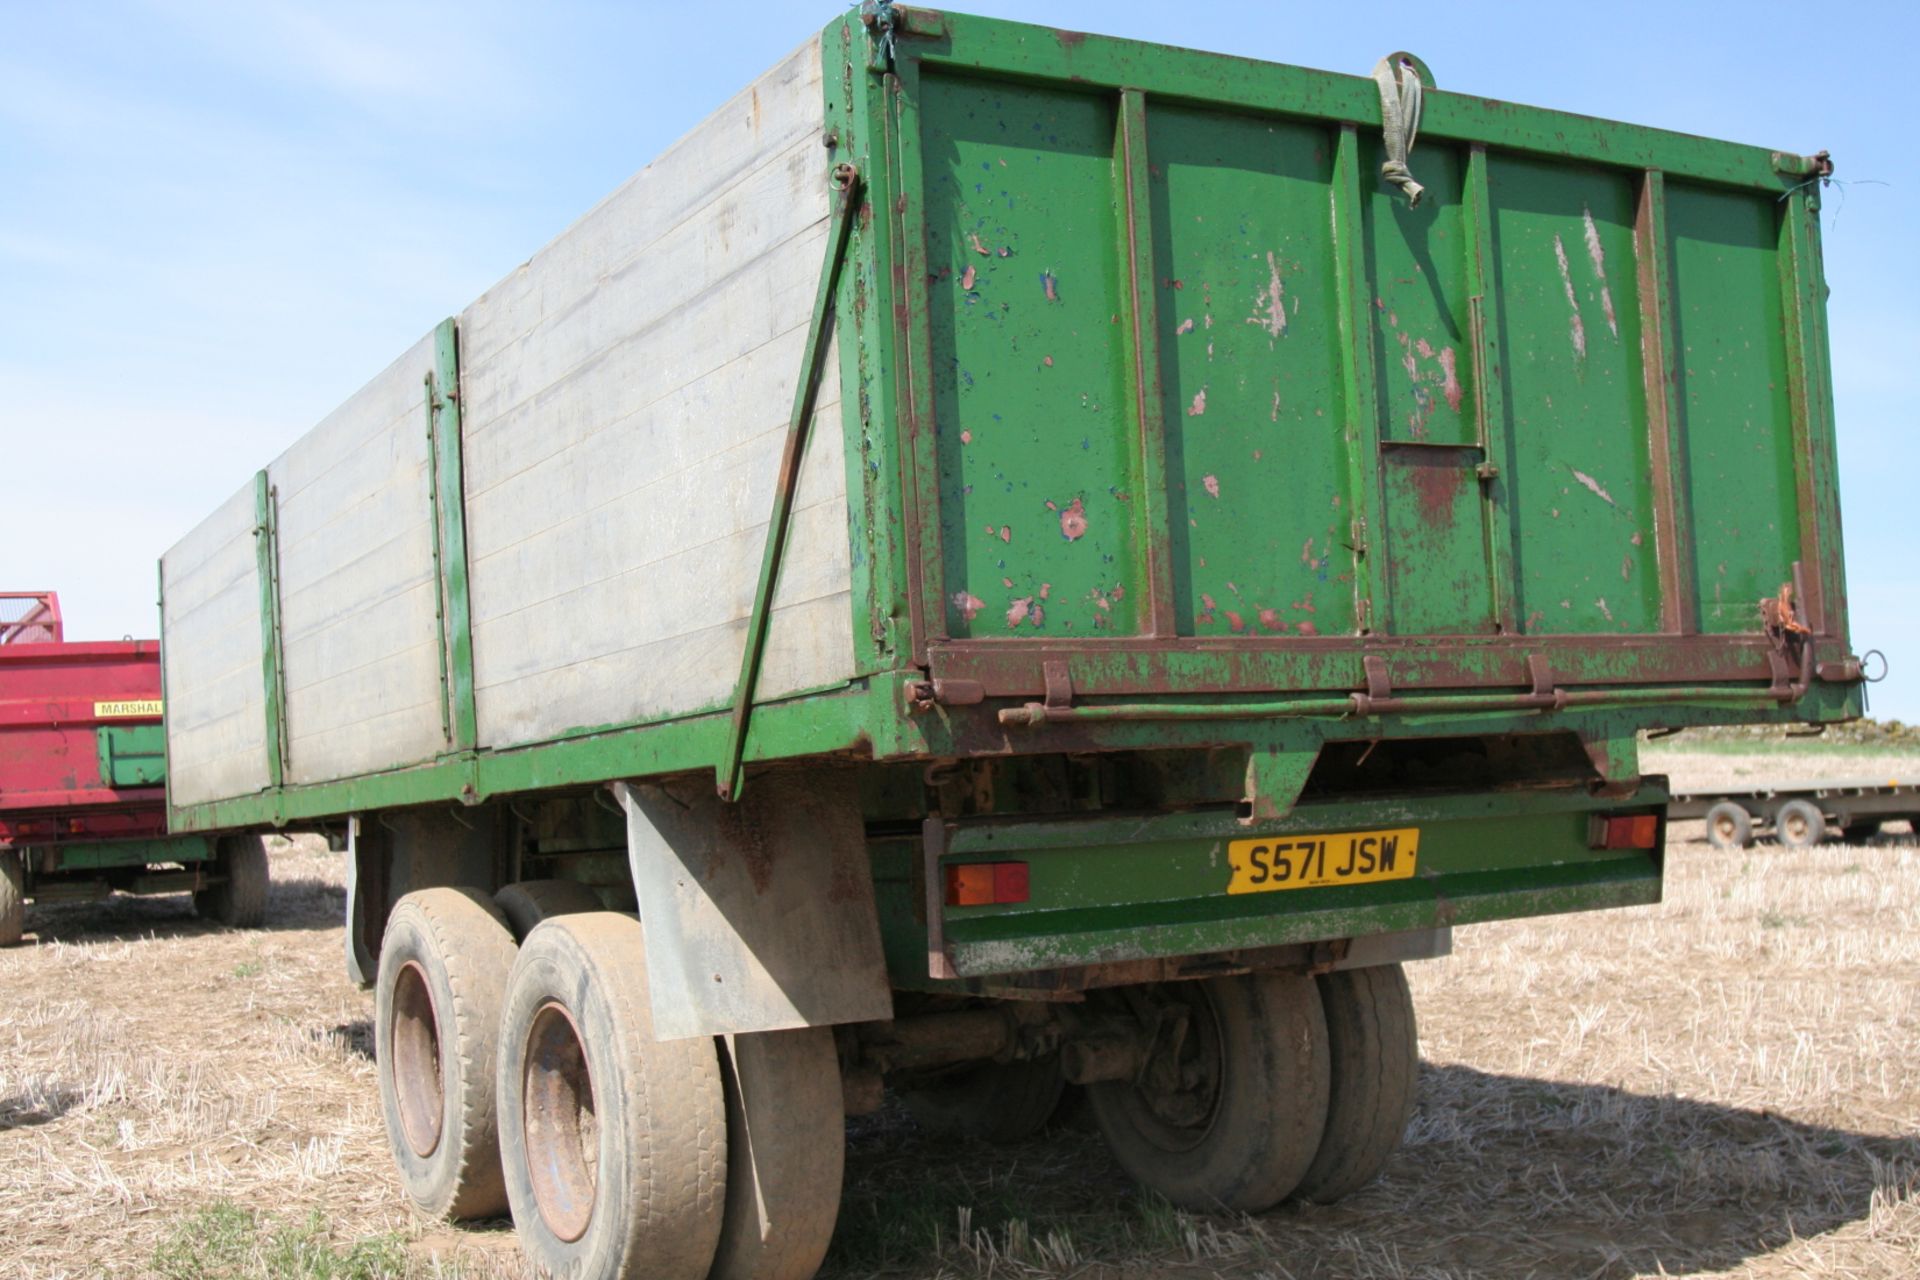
x=83 y=798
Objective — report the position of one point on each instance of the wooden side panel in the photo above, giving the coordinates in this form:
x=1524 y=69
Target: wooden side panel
x=626 y=394
x=359 y=624
x=216 y=694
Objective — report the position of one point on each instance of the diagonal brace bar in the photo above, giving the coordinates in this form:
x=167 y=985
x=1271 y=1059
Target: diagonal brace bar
x=730 y=771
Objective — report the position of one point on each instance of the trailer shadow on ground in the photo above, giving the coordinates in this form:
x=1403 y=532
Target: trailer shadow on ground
x=299 y=903
x=1502 y=1176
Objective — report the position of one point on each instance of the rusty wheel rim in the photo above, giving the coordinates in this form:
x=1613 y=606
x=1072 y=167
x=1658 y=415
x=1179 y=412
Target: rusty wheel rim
x=415 y=1037
x=561 y=1129
x=1723 y=827
x=1796 y=828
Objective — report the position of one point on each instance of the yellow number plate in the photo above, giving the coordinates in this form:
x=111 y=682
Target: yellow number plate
x=1314 y=861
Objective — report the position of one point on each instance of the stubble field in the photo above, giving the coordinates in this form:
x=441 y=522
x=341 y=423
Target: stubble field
x=1720 y=1085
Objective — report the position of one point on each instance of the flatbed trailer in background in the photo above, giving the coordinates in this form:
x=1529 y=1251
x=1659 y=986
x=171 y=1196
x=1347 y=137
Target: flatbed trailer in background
x=83 y=809
x=1801 y=814
x=1027 y=558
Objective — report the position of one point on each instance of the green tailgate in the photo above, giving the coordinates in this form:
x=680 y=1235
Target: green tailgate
x=1193 y=381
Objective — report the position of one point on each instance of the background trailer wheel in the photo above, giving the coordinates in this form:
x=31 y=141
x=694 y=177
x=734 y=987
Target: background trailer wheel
x=786 y=1153
x=1374 y=1060
x=13 y=902
x=443 y=973
x=1729 y=826
x=996 y=1101
x=239 y=899
x=1229 y=1110
x=1800 y=825
x=614 y=1145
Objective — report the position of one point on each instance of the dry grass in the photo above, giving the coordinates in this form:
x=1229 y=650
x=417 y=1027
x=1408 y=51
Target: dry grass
x=1723 y=1085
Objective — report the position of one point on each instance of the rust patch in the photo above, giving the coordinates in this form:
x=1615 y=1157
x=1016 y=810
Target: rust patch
x=1073 y=521
x=1070 y=39
x=1449 y=379
x=1593 y=485
x=1006 y=533
x=1438 y=488
x=1199 y=405
x=1186 y=326
x=1598 y=256
x=968 y=604
x=1017 y=611
x=1270 y=619
x=966 y=437
x=1308 y=629
x=1235 y=621
x=1050 y=285
x=967 y=278
x=1046 y=589
x=1270 y=304
x=1573 y=300
x=982 y=250
x=1047 y=361
x=1211 y=484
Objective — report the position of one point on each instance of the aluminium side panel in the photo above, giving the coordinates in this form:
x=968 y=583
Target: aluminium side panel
x=210 y=617
x=626 y=396
x=358 y=599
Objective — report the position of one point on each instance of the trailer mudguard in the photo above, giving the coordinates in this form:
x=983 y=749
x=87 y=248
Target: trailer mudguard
x=760 y=914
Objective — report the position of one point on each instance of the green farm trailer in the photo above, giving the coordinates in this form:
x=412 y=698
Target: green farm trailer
x=1010 y=559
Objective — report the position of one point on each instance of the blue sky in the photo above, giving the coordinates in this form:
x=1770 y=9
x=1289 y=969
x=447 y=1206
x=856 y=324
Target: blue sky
x=217 y=219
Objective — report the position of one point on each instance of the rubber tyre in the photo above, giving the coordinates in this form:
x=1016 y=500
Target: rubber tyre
x=1729 y=826
x=1266 y=1035
x=640 y=1190
x=1373 y=1053
x=13 y=899
x=995 y=1101
x=1800 y=825
x=528 y=903
x=444 y=963
x=786 y=1153
x=239 y=901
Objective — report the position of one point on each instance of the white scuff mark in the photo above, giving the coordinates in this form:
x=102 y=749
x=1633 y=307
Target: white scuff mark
x=1599 y=257
x=1601 y=605
x=1573 y=299
x=1271 y=301
x=1592 y=484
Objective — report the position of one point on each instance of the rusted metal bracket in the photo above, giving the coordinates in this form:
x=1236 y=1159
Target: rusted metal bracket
x=847 y=187
x=1059 y=685
x=1379 y=694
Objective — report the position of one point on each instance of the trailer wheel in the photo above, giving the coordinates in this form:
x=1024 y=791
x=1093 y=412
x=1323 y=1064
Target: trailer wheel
x=443 y=974
x=1729 y=826
x=1229 y=1114
x=614 y=1144
x=13 y=900
x=1800 y=825
x=786 y=1153
x=996 y=1101
x=1374 y=1064
x=240 y=899
x=529 y=902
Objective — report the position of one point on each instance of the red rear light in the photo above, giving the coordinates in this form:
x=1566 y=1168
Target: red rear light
x=1633 y=831
x=982 y=884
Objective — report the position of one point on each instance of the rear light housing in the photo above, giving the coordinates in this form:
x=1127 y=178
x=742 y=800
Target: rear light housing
x=986 y=884
x=1623 y=831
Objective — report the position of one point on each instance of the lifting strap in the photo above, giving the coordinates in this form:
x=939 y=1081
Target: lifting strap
x=1399 y=81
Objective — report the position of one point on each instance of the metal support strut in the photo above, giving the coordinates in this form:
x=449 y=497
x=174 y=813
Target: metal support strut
x=730 y=771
